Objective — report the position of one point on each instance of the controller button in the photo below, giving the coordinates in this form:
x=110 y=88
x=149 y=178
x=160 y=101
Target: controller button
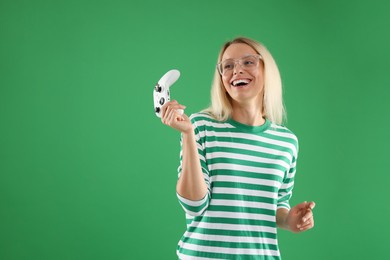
x=158 y=88
x=162 y=101
x=157 y=110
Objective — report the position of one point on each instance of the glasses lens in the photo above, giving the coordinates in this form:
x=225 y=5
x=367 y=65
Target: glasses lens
x=247 y=62
x=227 y=65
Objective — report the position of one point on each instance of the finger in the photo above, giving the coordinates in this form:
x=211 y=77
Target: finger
x=306 y=227
x=171 y=116
x=167 y=107
x=308 y=215
x=184 y=117
x=167 y=115
x=305 y=224
x=177 y=110
x=175 y=106
x=164 y=108
x=179 y=114
x=169 y=103
x=180 y=111
x=302 y=205
x=174 y=115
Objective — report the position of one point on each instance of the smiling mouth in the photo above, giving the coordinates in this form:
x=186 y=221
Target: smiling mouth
x=240 y=82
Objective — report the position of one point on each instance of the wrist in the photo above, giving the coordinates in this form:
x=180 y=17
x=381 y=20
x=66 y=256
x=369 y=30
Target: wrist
x=188 y=132
x=282 y=218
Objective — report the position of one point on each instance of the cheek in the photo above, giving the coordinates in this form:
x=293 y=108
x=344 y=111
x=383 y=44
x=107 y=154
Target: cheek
x=225 y=82
x=258 y=75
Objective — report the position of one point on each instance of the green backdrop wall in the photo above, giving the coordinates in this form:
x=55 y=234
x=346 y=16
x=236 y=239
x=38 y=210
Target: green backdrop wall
x=88 y=172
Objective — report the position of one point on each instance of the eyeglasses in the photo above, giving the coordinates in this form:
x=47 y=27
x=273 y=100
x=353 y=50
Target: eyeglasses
x=248 y=62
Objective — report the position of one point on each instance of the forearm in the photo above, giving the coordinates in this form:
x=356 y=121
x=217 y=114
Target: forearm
x=191 y=184
x=281 y=218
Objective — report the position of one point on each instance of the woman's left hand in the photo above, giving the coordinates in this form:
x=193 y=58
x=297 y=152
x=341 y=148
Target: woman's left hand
x=300 y=218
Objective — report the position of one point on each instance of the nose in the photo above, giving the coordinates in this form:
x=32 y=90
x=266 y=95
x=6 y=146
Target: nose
x=237 y=68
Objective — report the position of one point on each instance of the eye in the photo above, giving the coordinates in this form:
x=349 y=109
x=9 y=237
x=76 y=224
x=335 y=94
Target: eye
x=228 y=65
x=249 y=61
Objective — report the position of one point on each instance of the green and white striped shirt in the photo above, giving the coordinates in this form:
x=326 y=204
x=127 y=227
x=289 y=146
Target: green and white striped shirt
x=249 y=171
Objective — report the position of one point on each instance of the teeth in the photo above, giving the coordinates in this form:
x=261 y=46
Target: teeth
x=235 y=82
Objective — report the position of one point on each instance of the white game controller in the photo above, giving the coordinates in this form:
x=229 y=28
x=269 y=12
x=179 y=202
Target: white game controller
x=161 y=91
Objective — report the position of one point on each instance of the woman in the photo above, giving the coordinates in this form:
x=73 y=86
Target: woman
x=238 y=162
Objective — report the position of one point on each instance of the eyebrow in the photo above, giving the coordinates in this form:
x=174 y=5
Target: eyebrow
x=245 y=55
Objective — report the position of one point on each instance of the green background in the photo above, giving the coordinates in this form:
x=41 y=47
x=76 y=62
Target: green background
x=88 y=172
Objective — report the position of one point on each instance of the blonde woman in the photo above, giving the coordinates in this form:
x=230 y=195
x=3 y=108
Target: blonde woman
x=238 y=162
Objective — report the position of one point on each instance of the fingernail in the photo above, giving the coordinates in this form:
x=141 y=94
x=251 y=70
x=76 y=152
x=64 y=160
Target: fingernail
x=304 y=219
x=298 y=226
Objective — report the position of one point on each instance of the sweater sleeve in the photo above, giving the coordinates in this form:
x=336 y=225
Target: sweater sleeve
x=191 y=207
x=285 y=190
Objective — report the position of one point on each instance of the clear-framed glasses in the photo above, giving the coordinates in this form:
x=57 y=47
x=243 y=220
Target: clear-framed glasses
x=247 y=62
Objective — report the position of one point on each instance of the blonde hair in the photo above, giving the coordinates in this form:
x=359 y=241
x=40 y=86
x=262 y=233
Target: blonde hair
x=273 y=107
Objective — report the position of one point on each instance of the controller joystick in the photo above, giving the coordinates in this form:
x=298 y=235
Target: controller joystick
x=158 y=88
x=161 y=93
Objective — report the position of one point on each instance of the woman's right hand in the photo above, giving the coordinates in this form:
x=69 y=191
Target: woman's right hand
x=171 y=117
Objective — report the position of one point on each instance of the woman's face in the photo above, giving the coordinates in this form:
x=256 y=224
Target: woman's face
x=243 y=84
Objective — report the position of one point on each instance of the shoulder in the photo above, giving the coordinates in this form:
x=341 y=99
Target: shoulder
x=201 y=116
x=204 y=119
x=206 y=124
x=283 y=133
x=282 y=130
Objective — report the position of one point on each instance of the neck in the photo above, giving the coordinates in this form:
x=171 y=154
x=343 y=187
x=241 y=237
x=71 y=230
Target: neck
x=248 y=114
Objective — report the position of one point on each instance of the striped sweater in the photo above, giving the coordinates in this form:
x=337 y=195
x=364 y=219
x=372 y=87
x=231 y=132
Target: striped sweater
x=249 y=171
